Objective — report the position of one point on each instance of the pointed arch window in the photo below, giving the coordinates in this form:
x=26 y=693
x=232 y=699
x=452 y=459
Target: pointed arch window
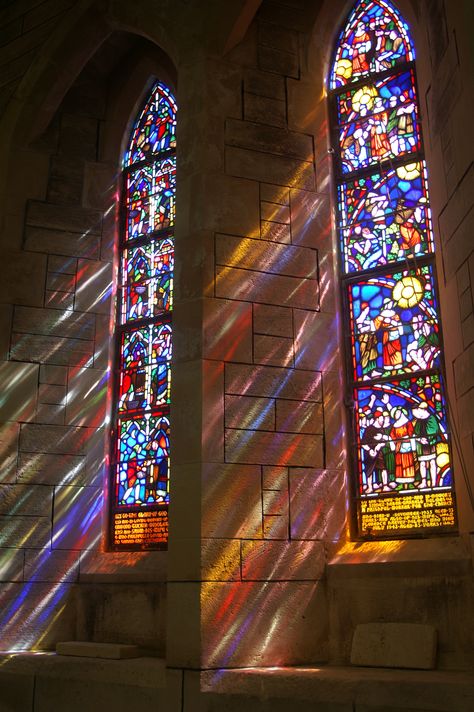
x=141 y=429
x=402 y=461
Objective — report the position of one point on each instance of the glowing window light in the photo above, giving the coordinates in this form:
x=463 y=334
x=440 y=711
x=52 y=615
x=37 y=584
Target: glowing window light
x=140 y=465
x=402 y=460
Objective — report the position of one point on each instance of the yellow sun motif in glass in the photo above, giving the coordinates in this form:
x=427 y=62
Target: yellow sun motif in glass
x=407 y=292
x=409 y=172
x=344 y=69
x=363 y=99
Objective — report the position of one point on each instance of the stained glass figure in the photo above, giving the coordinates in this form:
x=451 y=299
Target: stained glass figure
x=140 y=460
x=403 y=462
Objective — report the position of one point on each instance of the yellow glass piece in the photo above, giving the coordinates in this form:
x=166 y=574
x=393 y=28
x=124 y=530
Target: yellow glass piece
x=363 y=99
x=408 y=291
x=344 y=69
x=409 y=172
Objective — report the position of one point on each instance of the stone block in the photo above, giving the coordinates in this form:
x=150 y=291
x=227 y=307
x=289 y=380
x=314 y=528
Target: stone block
x=231 y=498
x=220 y=560
x=51 y=566
x=467 y=328
x=316 y=340
x=59 y=300
x=274 y=212
x=17 y=691
x=62 y=265
x=77 y=515
x=212 y=435
x=20 y=532
x=266 y=256
x=102 y=343
x=227 y=328
x=183 y=624
x=464 y=371
x=50 y=414
x=94 y=695
x=11 y=565
x=51 y=349
x=276 y=527
x=65 y=180
x=64 y=217
x=272 y=382
x=274 y=194
x=311 y=223
x=273 y=350
x=317 y=503
x=188 y=329
x=272 y=320
x=299 y=417
x=280 y=290
x=457 y=207
x=297 y=450
x=275 y=478
x=52 y=394
x=108 y=651
x=279 y=623
x=186 y=442
x=271 y=35
x=53 y=439
x=249 y=413
x=100 y=184
x=459 y=247
x=275 y=502
x=276 y=232
x=268 y=168
x=22 y=278
x=55 y=375
x=465 y=304
x=269 y=139
x=93 y=287
x=395 y=645
x=281 y=560
x=264 y=84
x=334 y=415
x=86 y=397
x=48 y=322
x=274 y=60
x=32 y=500
x=78 y=136
x=61 y=242
x=58 y=281
x=466 y=413
x=264 y=110
x=19 y=391
x=6 y=315
x=9 y=435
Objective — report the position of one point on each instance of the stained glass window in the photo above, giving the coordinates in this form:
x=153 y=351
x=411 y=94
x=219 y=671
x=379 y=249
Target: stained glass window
x=402 y=457
x=140 y=464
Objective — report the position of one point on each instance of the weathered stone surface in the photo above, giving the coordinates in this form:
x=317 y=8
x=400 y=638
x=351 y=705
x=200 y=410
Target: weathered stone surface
x=264 y=110
x=52 y=349
x=268 y=168
x=275 y=527
x=26 y=499
x=460 y=246
x=326 y=490
x=275 y=194
x=232 y=501
x=311 y=223
x=52 y=394
x=266 y=256
x=93 y=287
x=11 y=566
x=264 y=84
x=275 y=502
x=458 y=206
x=65 y=181
x=273 y=350
x=60 y=282
x=276 y=321
x=9 y=435
x=249 y=413
x=53 y=439
x=53 y=566
x=268 y=381
x=464 y=371
x=80 y=504
x=276 y=232
x=220 y=560
x=274 y=60
x=275 y=478
x=19 y=391
x=316 y=341
x=297 y=417
x=249 y=285
x=59 y=300
x=64 y=217
x=48 y=322
x=114 y=651
x=6 y=315
x=50 y=414
x=398 y=645
x=25 y=531
x=227 y=330
x=274 y=448
x=278 y=560
x=22 y=277
x=86 y=397
x=53 y=374
x=275 y=212
x=61 y=242
x=62 y=264
x=78 y=136
x=269 y=139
